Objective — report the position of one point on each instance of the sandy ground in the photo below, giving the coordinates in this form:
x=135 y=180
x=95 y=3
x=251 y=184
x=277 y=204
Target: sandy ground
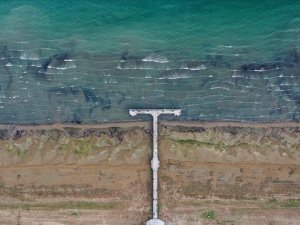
x=211 y=173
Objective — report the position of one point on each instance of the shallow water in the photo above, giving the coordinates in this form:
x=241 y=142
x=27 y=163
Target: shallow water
x=90 y=61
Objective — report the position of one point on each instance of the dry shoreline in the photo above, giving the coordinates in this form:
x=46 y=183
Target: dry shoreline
x=243 y=173
x=147 y=124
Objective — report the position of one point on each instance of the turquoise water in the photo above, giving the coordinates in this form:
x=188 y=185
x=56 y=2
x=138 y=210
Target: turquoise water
x=90 y=61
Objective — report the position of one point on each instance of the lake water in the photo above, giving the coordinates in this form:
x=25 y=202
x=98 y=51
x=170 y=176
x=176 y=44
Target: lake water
x=90 y=61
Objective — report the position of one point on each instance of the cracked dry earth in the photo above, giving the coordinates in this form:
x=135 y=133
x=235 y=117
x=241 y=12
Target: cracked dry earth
x=221 y=174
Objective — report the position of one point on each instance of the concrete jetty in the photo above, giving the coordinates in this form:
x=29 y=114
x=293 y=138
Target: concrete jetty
x=155 y=160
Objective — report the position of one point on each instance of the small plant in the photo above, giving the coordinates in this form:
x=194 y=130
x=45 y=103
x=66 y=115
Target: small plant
x=75 y=213
x=209 y=215
x=83 y=147
x=159 y=207
x=10 y=148
x=189 y=142
x=292 y=203
x=21 y=153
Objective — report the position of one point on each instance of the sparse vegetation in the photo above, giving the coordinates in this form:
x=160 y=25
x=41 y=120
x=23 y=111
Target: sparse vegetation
x=272 y=203
x=191 y=142
x=219 y=145
x=10 y=148
x=83 y=147
x=62 y=205
x=209 y=215
x=292 y=203
x=208 y=193
x=21 y=152
x=195 y=203
x=75 y=213
x=202 y=143
x=159 y=209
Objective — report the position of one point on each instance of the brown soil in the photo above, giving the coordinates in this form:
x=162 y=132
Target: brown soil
x=211 y=173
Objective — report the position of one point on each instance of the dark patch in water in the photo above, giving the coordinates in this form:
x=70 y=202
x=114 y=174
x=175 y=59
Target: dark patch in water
x=130 y=61
x=4 y=52
x=6 y=79
x=292 y=57
x=122 y=97
x=97 y=101
x=131 y=64
x=57 y=60
x=126 y=56
x=194 y=64
x=217 y=60
x=64 y=90
x=77 y=117
x=89 y=95
x=260 y=66
x=45 y=65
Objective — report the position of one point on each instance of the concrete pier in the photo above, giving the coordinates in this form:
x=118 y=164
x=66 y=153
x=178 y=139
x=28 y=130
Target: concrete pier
x=155 y=160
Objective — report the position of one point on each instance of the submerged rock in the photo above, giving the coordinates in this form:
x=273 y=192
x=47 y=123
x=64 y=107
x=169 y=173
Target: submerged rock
x=292 y=57
x=64 y=90
x=218 y=60
x=101 y=101
x=56 y=61
x=260 y=66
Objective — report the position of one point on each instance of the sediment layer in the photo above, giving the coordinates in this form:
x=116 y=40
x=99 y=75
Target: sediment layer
x=199 y=162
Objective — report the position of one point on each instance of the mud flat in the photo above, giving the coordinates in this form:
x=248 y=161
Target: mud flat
x=211 y=173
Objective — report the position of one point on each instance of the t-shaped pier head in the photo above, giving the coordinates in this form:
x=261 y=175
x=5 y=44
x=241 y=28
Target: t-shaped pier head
x=157 y=112
x=155 y=161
